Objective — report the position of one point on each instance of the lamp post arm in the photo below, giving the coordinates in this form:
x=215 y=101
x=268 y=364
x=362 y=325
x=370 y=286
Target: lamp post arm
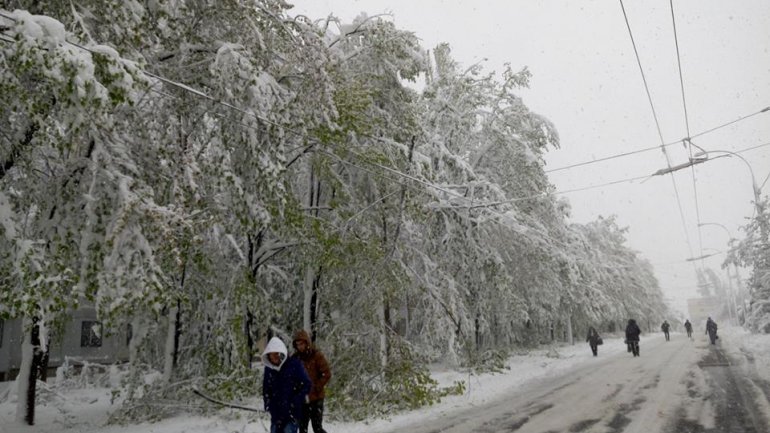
x=729 y=234
x=751 y=171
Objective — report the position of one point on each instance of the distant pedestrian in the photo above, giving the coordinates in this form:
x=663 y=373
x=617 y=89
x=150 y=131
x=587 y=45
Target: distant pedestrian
x=594 y=340
x=632 y=336
x=711 y=330
x=688 y=328
x=319 y=372
x=665 y=328
x=285 y=387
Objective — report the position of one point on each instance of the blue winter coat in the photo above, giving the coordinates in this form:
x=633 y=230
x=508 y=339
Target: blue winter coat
x=284 y=391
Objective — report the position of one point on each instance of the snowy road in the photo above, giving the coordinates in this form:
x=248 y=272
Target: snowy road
x=674 y=387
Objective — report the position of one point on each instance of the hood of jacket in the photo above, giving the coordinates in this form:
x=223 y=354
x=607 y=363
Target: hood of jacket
x=275 y=345
x=302 y=335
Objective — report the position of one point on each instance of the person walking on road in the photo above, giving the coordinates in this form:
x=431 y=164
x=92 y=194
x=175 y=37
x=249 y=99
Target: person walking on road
x=285 y=387
x=594 y=340
x=711 y=330
x=632 y=336
x=688 y=328
x=665 y=327
x=319 y=372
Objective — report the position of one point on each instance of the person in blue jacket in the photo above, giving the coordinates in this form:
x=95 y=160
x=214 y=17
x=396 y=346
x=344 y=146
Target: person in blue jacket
x=285 y=387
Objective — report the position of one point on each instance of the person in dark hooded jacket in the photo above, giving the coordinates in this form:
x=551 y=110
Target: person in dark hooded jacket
x=711 y=330
x=594 y=340
x=319 y=372
x=632 y=336
x=285 y=388
x=688 y=328
x=665 y=327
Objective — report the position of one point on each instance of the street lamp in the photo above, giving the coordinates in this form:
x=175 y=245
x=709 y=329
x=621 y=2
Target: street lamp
x=703 y=156
x=730 y=235
x=754 y=186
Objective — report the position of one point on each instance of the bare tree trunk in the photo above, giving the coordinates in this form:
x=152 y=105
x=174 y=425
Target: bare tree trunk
x=174 y=331
x=308 y=297
x=383 y=336
x=314 y=306
x=32 y=360
x=249 y=337
x=313 y=270
x=139 y=333
x=25 y=413
x=171 y=335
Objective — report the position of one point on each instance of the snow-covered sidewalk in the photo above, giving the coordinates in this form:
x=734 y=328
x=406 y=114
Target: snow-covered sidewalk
x=86 y=410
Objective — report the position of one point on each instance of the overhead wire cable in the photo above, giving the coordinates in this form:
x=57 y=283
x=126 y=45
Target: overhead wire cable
x=687 y=129
x=752 y=148
x=657 y=125
x=542 y=194
x=697 y=204
x=594 y=161
x=764 y=110
x=647 y=149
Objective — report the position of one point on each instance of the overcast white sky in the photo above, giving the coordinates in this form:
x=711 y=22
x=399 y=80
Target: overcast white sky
x=587 y=81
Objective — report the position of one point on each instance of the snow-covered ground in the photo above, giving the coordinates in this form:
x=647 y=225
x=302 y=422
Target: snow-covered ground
x=84 y=410
x=655 y=387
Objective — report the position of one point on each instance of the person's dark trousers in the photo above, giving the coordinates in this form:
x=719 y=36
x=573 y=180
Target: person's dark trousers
x=594 y=349
x=314 y=414
x=667 y=336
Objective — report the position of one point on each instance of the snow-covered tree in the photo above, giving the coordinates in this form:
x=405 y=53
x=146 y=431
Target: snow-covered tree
x=754 y=251
x=213 y=173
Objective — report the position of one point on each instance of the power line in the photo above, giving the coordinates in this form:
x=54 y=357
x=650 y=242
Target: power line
x=657 y=124
x=644 y=79
x=764 y=110
x=594 y=161
x=679 y=64
x=752 y=148
x=687 y=128
x=697 y=204
x=647 y=149
x=545 y=193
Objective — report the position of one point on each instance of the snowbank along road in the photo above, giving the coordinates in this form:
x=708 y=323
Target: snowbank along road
x=680 y=386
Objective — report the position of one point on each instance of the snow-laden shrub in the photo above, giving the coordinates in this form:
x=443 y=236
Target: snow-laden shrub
x=361 y=389
x=492 y=360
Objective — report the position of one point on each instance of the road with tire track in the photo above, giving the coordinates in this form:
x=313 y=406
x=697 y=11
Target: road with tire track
x=680 y=386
